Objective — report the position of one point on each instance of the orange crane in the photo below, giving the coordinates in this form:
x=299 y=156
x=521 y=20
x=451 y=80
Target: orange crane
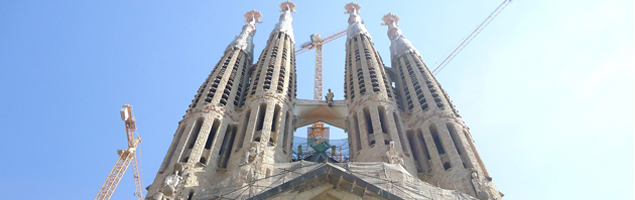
x=126 y=157
x=316 y=43
x=470 y=37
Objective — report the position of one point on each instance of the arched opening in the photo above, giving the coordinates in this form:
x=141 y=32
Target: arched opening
x=226 y=147
x=400 y=134
x=358 y=141
x=382 y=120
x=273 y=139
x=437 y=140
x=194 y=134
x=261 y=116
x=446 y=165
x=262 y=110
x=288 y=132
x=369 y=126
x=415 y=153
x=210 y=141
x=241 y=138
x=191 y=195
x=460 y=148
x=212 y=134
x=424 y=146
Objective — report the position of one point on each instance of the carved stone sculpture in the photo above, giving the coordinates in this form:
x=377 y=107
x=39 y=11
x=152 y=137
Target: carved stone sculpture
x=394 y=157
x=173 y=179
x=252 y=154
x=329 y=97
x=480 y=188
x=170 y=184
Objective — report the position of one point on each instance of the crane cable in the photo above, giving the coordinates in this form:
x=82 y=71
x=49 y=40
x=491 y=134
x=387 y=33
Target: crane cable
x=471 y=37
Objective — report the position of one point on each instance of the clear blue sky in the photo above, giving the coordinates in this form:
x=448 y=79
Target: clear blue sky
x=547 y=88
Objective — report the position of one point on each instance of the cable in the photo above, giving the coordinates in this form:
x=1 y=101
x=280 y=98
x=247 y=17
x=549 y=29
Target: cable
x=471 y=37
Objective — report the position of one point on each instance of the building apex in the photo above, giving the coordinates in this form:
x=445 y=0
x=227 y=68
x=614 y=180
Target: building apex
x=244 y=40
x=352 y=8
x=253 y=16
x=355 y=24
x=284 y=25
x=399 y=44
x=287 y=6
x=390 y=20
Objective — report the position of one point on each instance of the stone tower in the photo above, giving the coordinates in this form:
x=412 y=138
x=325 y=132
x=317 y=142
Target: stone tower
x=202 y=142
x=268 y=110
x=443 y=149
x=373 y=113
x=235 y=140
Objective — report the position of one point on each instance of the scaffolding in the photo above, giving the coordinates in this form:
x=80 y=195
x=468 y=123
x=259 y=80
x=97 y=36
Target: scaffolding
x=339 y=149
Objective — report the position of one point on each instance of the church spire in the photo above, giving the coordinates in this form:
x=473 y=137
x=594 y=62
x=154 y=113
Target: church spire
x=441 y=145
x=284 y=25
x=244 y=40
x=399 y=43
x=355 y=24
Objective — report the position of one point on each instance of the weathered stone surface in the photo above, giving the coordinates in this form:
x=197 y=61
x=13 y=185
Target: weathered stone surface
x=238 y=131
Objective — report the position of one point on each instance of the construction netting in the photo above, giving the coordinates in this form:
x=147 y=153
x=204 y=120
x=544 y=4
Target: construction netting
x=265 y=181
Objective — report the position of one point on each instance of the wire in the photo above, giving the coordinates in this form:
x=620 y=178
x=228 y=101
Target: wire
x=471 y=37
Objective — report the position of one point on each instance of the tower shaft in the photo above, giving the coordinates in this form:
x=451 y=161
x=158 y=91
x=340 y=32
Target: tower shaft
x=443 y=150
x=373 y=115
x=203 y=139
x=267 y=114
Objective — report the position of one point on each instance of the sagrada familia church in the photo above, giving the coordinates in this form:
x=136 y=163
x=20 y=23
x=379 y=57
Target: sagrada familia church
x=406 y=141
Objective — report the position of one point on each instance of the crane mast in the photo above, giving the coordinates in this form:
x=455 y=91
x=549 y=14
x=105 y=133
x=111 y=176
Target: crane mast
x=316 y=43
x=471 y=37
x=126 y=157
x=317 y=92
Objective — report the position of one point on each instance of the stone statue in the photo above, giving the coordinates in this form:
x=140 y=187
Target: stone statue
x=394 y=157
x=173 y=180
x=252 y=154
x=475 y=183
x=481 y=192
x=170 y=184
x=329 y=97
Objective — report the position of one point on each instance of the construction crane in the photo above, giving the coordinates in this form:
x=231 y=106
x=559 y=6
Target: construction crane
x=316 y=43
x=126 y=157
x=470 y=37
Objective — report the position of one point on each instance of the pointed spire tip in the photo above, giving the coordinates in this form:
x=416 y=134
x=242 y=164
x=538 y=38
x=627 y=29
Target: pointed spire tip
x=287 y=6
x=352 y=8
x=389 y=18
x=253 y=16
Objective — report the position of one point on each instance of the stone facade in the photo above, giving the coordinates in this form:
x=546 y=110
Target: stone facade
x=443 y=149
x=239 y=127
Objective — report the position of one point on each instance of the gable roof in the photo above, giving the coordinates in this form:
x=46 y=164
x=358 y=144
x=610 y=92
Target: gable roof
x=375 y=180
